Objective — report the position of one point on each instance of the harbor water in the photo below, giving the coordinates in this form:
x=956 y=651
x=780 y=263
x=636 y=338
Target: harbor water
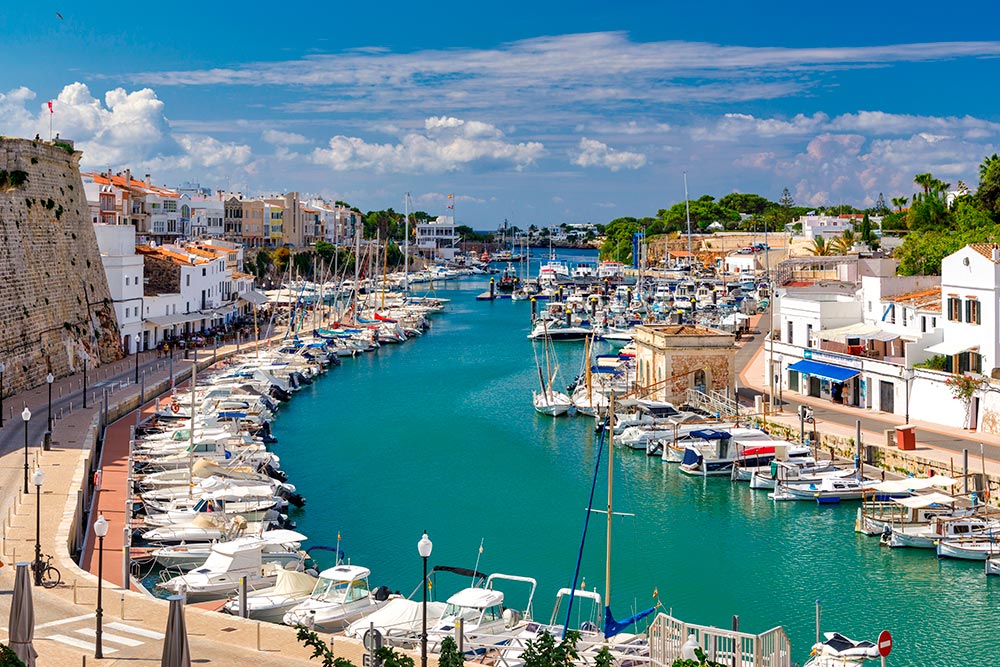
x=439 y=434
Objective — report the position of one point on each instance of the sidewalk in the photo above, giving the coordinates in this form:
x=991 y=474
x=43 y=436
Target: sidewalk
x=133 y=622
x=938 y=447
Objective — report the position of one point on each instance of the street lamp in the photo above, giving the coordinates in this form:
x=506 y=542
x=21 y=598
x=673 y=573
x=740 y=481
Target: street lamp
x=50 y=379
x=37 y=478
x=100 y=529
x=26 y=416
x=84 y=357
x=424 y=547
x=908 y=374
x=2 y=369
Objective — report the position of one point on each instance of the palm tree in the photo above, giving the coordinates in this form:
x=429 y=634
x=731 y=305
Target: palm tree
x=985 y=166
x=899 y=203
x=924 y=181
x=819 y=247
x=843 y=243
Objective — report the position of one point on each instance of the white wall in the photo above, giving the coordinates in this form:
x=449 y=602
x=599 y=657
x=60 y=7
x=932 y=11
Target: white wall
x=965 y=274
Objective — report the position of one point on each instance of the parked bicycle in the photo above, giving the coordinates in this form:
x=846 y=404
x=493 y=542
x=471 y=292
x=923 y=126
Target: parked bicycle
x=50 y=575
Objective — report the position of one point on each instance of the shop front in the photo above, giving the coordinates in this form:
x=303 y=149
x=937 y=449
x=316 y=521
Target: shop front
x=839 y=384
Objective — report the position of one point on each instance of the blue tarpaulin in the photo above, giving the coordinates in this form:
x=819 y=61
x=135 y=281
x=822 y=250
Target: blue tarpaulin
x=613 y=627
x=825 y=371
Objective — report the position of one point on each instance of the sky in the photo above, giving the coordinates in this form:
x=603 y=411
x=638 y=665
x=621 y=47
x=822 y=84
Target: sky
x=535 y=112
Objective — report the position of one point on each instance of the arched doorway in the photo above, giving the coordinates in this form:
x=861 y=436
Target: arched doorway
x=700 y=381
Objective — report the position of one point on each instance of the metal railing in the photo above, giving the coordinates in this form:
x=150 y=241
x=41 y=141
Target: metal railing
x=715 y=402
x=667 y=636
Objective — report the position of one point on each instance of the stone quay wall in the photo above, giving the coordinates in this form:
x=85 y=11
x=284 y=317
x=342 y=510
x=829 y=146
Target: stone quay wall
x=55 y=305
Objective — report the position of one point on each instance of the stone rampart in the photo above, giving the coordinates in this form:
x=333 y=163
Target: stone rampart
x=54 y=298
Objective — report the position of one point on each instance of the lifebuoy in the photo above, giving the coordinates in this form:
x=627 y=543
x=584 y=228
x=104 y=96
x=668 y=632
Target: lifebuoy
x=175 y=407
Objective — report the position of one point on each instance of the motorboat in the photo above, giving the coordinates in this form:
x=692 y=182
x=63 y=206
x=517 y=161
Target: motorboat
x=802 y=470
x=399 y=619
x=993 y=565
x=719 y=452
x=280 y=546
x=341 y=595
x=481 y=611
x=271 y=604
x=941 y=528
x=225 y=566
x=559 y=332
x=828 y=490
x=839 y=651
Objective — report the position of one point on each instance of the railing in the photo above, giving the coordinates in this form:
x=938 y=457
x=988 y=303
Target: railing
x=667 y=636
x=714 y=402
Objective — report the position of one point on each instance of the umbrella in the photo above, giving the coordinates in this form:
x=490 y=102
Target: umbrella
x=22 y=617
x=175 y=645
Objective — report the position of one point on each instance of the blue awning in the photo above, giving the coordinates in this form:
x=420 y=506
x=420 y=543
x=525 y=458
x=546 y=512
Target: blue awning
x=825 y=371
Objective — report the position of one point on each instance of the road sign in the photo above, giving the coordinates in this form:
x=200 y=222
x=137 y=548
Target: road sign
x=884 y=643
x=372 y=639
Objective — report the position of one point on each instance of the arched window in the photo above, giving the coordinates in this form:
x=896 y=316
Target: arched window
x=699 y=381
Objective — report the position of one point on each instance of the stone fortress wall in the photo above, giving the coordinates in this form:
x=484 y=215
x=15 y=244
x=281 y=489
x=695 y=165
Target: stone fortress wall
x=55 y=305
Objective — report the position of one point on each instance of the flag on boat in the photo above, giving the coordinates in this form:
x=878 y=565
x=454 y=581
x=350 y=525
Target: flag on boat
x=50 y=107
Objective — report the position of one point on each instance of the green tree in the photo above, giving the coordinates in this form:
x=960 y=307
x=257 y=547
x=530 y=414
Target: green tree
x=321 y=650
x=785 y=212
x=281 y=257
x=928 y=213
x=844 y=243
x=880 y=207
x=867 y=236
x=450 y=656
x=389 y=657
x=617 y=244
x=746 y=203
x=545 y=652
x=820 y=248
x=988 y=193
x=325 y=251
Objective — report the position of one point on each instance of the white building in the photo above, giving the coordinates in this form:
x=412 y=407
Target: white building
x=124 y=270
x=970 y=293
x=437 y=239
x=827 y=226
x=203 y=217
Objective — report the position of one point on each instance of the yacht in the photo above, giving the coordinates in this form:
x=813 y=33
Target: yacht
x=341 y=595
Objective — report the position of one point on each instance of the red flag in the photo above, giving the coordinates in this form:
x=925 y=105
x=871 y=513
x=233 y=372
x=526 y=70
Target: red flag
x=50 y=107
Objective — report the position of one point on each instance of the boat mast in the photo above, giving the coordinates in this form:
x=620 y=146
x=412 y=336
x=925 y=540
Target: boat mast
x=406 y=248
x=357 y=268
x=687 y=213
x=194 y=386
x=385 y=269
x=548 y=368
x=611 y=468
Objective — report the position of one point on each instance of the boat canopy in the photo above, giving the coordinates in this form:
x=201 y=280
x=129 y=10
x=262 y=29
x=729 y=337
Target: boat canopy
x=293 y=583
x=925 y=500
x=915 y=483
x=711 y=434
x=345 y=573
x=282 y=536
x=476 y=598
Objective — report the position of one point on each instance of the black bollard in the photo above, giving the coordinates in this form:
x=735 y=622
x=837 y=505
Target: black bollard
x=569 y=317
x=493 y=287
x=534 y=309
x=593 y=307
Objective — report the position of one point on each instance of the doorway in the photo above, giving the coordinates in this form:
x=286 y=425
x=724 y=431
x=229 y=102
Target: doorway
x=886 y=392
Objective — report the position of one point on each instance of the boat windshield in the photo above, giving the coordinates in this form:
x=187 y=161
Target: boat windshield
x=337 y=590
x=454 y=611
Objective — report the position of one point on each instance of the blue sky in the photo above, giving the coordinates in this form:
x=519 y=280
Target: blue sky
x=537 y=112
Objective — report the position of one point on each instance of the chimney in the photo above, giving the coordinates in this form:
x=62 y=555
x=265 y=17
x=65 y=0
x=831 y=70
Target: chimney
x=149 y=181
x=128 y=177
x=996 y=253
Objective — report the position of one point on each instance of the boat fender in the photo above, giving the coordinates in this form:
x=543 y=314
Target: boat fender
x=381 y=593
x=511 y=617
x=175 y=407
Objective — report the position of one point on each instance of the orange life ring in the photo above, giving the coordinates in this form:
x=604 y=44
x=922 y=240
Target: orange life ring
x=175 y=407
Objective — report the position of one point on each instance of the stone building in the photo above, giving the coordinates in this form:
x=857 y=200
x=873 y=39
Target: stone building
x=54 y=299
x=673 y=358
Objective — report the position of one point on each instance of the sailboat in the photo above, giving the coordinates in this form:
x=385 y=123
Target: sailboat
x=548 y=401
x=587 y=398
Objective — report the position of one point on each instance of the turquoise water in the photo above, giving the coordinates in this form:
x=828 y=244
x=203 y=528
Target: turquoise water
x=439 y=434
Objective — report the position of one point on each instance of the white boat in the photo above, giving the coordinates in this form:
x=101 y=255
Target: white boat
x=399 y=618
x=971 y=547
x=551 y=403
x=280 y=546
x=481 y=611
x=941 y=528
x=828 y=490
x=993 y=565
x=839 y=651
x=341 y=595
x=271 y=604
x=720 y=451
x=803 y=470
x=225 y=566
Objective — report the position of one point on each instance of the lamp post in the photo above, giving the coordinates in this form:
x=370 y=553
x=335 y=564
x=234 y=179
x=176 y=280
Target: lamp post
x=50 y=379
x=26 y=416
x=2 y=369
x=908 y=374
x=37 y=478
x=100 y=529
x=84 y=356
x=424 y=547
x=137 y=360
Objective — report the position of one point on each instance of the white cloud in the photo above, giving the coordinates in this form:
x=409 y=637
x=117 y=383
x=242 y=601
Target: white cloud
x=123 y=129
x=448 y=144
x=593 y=153
x=279 y=138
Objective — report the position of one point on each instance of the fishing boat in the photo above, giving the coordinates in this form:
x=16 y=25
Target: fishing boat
x=969 y=547
x=340 y=596
x=829 y=490
x=804 y=470
x=940 y=528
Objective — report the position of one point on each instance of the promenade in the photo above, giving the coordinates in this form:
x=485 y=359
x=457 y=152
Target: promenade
x=65 y=616
x=938 y=447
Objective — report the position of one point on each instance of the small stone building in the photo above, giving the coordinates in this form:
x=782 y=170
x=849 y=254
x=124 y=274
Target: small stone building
x=672 y=358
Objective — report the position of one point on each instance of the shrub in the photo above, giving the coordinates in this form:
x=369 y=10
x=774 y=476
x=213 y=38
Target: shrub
x=8 y=658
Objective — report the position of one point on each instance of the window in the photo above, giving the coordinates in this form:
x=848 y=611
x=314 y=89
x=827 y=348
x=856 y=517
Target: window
x=954 y=309
x=905 y=313
x=970 y=362
x=789 y=332
x=923 y=324
x=973 y=313
x=890 y=314
x=809 y=334
x=126 y=281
